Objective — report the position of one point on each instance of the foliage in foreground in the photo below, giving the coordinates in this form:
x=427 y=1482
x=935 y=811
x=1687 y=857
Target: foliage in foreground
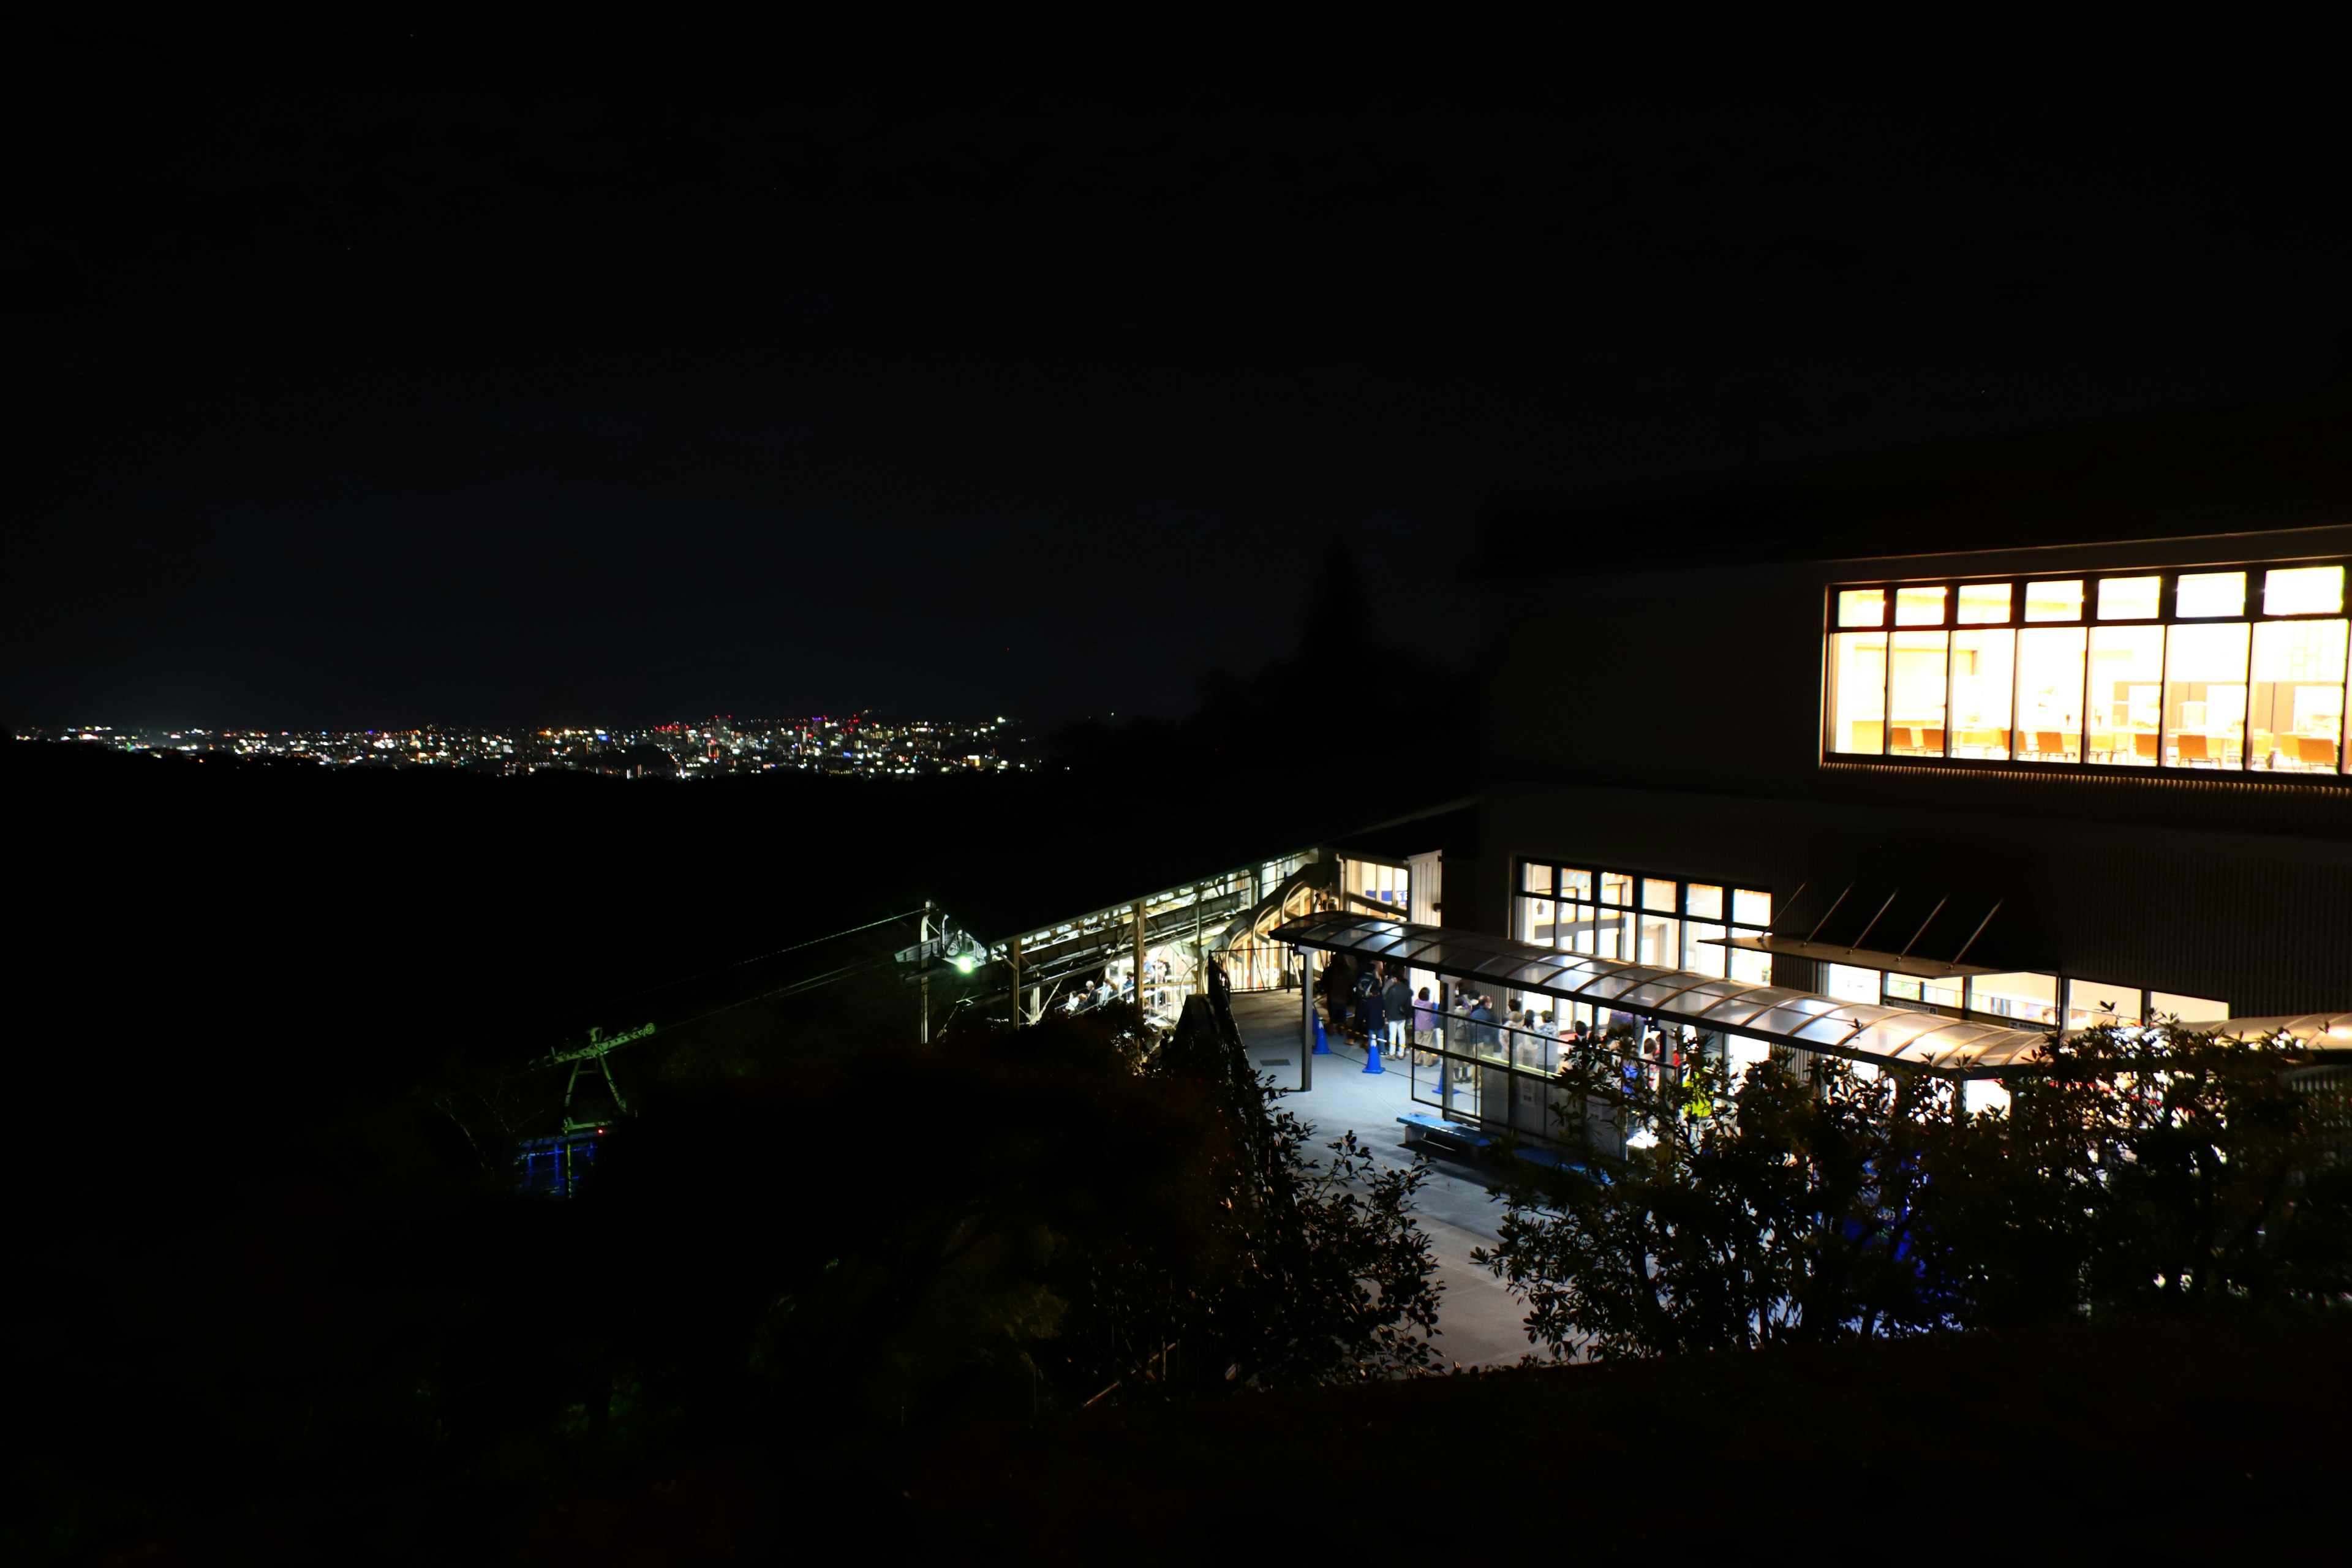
x=2141 y=1171
x=351 y=1336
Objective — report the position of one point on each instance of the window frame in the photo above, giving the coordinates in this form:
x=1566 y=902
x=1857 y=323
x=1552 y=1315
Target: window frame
x=2020 y=585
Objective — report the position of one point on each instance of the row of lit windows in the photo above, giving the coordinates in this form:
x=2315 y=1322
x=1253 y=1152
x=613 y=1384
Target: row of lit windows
x=2094 y=671
x=1661 y=920
x=2028 y=1000
x=2282 y=591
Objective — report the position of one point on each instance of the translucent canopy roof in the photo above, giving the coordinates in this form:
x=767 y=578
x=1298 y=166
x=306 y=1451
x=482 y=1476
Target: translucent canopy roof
x=1800 y=1020
x=2319 y=1031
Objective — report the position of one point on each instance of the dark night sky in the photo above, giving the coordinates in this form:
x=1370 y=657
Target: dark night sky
x=420 y=368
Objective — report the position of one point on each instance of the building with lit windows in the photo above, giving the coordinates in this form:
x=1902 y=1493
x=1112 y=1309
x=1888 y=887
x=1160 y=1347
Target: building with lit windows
x=2047 y=730
x=1908 y=760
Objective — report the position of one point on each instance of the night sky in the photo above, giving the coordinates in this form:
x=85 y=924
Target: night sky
x=415 y=367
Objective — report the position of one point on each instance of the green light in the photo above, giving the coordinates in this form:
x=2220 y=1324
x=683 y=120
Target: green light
x=966 y=962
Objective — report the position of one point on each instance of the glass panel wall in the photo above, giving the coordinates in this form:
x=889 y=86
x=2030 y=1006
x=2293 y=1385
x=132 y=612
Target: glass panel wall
x=2130 y=598
x=2295 y=709
x=1985 y=604
x=1858 y=692
x=2050 y=694
x=1915 y=701
x=2205 y=594
x=1984 y=675
x=1379 y=884
x=1667 y=921
x=2030 y=999
x=1848 y=984
x=2205 y=694
x=2126 y=694
x=1943 y=991
x=2054 y=601
x=2090 y=1002
x=1919 y=607
x=2223 y=669
x=2303 y=591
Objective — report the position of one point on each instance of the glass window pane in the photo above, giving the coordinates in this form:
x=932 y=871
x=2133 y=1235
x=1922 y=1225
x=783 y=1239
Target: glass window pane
x=1916 y=698
x=2050 y=694
x=1751 y=968
x=1858 y=692
x=2030 y=999
x=2205 y=696
x=1704 y=900
x=1848 y=984
x=1901 y=988
x=1534 y=877
x=2295 y=717
x=1751 y=908
x=2054 y=601
x=2130 y=599
x=2303 y=591
x=1698 y=956
x=2188 y=1009
x=1919 y=607
x=1574 y=884
x=2218 y=593
x=1613 y=934
x=1576 y=928
x=1535 y=922
x=1661 y=943
x=1984 y=673
x=2127 y=692
x=1984 y=604
x=1616 y=888
x=1657 y=894
x=2090 y=1002
x=1862 y=607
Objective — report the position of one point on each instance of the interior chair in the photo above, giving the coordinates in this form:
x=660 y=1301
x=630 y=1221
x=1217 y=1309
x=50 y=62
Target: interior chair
x=2317 y=751
x=2191 y=750
x=2146 y=743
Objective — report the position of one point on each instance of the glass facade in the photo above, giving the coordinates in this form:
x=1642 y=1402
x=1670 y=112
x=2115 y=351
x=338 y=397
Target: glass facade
x=2222 y=670
x=1669 y=921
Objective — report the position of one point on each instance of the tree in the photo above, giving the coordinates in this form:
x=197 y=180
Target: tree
x=2135 y=1170
x=1700 y=1213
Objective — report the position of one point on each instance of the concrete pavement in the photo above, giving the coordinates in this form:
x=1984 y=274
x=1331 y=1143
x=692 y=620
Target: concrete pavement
x=1478 y=1323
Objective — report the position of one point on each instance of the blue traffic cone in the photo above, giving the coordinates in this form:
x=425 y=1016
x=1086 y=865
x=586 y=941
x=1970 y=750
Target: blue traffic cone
x=1372 y=1055
x=1322 y=1047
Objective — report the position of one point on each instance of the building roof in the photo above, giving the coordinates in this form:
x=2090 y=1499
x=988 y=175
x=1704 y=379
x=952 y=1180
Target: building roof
x=1798 y=1020
x=2244 y=469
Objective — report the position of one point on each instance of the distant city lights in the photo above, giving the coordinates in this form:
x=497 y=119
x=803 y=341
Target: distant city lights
x=717 y=747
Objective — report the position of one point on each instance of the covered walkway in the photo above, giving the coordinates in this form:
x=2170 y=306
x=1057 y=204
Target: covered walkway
x=1773 y=1014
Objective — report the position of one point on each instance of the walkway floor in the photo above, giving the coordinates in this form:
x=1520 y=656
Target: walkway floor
x=1478 y=1323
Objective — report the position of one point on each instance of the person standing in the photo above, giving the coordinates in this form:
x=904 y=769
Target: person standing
x=1425 y=1023
x=1396 y=1005
x=1335 y=983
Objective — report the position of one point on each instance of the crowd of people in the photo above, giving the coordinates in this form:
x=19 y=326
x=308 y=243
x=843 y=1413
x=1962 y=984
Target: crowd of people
x=1373 y=1004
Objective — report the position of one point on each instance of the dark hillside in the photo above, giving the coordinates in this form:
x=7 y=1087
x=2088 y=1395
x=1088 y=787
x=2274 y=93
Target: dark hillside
x=2134 y=1442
